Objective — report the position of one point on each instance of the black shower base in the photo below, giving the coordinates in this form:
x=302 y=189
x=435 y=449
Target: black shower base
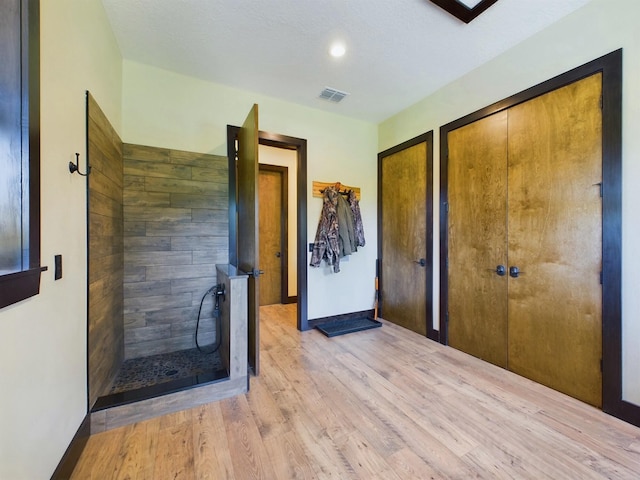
x=165 y=367
x=156 y=375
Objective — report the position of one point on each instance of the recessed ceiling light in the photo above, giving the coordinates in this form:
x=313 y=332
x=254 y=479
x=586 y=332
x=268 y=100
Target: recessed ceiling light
x=337 y=50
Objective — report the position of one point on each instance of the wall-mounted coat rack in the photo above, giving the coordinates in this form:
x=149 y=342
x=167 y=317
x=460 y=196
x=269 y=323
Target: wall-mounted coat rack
x=318 y=188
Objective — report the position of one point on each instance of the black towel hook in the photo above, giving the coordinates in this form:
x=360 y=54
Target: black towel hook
x=74 y=167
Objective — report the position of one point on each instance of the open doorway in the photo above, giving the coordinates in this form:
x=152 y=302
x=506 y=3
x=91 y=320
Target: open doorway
x=278 y=224
x=299 y=147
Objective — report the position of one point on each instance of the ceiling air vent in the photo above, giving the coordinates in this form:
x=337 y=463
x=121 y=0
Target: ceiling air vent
x=332 y=94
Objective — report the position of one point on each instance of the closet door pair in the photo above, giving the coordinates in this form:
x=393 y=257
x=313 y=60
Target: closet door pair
x=525 y=239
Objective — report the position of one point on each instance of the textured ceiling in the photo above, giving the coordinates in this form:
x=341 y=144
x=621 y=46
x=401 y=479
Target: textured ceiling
x=398 y=51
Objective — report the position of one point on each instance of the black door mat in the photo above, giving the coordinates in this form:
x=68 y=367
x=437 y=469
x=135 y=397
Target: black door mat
x=340 y=327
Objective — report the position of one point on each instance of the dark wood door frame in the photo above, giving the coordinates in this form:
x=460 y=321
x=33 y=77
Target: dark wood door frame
x=611 y=67
x=284 y=230
x=427 y=137
x=288 y=143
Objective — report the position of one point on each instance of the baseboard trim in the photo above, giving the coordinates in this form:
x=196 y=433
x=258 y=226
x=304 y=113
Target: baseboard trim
x=626 y=411
x=344 y=316
x=289 y=300
x=71 y=456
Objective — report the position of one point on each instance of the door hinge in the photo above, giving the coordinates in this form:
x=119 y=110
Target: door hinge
x=446 y=206
x=601 y=366
x=601 y=278
x=601 y=102
x=446 y=317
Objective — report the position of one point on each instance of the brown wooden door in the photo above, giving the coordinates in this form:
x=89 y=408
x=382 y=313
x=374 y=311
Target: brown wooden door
x=524 y=192
x=248 y=240
x=404 y=231
x=555 y=238
x=478 y=239
x=271 y=238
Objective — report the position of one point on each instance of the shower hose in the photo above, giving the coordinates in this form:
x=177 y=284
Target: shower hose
x=217 y=291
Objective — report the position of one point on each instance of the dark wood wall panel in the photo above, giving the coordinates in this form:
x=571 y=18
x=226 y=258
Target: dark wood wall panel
x=175 y=231
x=106 y=252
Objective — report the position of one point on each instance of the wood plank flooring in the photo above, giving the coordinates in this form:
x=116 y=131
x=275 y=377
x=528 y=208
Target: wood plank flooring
x=380 y=404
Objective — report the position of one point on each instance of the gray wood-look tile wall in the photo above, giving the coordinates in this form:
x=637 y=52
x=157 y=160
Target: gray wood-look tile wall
x=106 y=252
x=175 y=232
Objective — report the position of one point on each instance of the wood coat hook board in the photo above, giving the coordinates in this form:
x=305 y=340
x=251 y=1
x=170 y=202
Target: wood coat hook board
x=318 y=188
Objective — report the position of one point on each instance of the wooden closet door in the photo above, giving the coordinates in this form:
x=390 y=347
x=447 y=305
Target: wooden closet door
x=477 y=232
x=403 y=237
x=555 y=239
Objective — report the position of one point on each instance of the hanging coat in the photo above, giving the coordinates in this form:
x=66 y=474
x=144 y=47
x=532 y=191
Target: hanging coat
x=346 y=231
x=357 y=219
x=325 y=245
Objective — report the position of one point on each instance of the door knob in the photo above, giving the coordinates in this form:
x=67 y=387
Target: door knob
x=501 y=270
x=515 y=272
x=422 y=262
x=277 y=254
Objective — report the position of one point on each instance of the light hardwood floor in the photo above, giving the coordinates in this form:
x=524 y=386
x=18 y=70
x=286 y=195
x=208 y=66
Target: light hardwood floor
x=380 y=404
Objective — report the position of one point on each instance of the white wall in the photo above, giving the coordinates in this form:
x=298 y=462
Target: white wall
x=600 y=27
x=287 y=158
x=43 y=347
x=165 y=109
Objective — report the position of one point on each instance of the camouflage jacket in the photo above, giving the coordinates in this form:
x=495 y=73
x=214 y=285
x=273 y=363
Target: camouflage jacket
x=325 y=246
x=357 y=219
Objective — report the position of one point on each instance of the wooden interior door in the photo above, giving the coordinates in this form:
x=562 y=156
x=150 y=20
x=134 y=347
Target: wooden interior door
x=477 y=229
x=555 y=239
x=248 y=228
x=271 y=234
x=404 y=259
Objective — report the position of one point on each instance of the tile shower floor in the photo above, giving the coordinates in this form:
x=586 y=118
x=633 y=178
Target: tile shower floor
x=165 y=367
